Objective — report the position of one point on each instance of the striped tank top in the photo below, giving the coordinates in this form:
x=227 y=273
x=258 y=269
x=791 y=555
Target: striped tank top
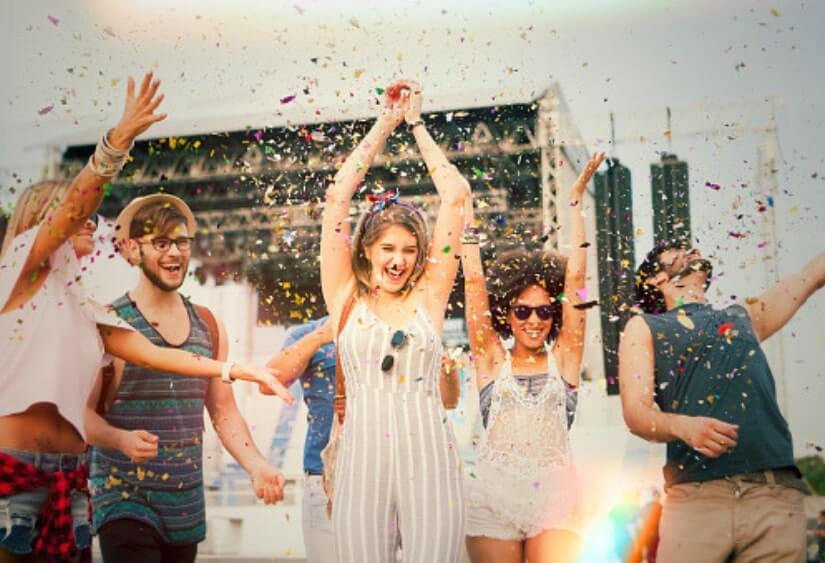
x=166 y=492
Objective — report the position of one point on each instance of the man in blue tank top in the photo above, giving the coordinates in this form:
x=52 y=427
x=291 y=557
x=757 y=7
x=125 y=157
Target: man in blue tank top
x=146 y=475
x=696 y=378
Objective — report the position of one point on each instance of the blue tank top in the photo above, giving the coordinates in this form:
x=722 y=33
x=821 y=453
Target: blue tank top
x=709 y=363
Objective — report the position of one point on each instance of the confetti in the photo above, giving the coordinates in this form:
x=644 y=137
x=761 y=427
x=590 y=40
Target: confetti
x=713 y=186
x=45 y=110
x=54 y=20
x=287 y=99
x=298 y=9
x=586 y=305
x=684 y=320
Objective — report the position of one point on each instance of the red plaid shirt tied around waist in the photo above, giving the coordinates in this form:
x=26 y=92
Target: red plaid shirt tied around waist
x=56 y=541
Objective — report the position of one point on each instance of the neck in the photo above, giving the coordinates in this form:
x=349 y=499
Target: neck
x=149 y=295
x=683 y=297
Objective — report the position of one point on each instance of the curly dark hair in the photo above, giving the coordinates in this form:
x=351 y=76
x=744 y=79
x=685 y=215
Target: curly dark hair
x=648 y=298
x=516 y=270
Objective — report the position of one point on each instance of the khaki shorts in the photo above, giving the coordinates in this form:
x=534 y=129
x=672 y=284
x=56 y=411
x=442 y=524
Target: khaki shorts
x=728 y=520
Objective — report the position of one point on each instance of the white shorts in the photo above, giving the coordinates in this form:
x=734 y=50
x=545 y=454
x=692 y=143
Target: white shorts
x=481 y=521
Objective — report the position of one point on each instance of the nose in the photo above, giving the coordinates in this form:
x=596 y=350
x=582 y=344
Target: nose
x=173 y=250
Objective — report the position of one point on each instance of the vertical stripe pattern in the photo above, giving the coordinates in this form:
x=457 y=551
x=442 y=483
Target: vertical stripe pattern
x=399 y=469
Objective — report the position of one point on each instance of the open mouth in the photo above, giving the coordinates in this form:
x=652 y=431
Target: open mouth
x=533 y=333
x=171 y=268
x=395 y=276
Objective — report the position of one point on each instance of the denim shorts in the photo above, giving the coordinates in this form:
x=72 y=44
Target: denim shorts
x=19 y=513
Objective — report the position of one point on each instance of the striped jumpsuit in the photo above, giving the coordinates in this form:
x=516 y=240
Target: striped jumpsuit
x=398 y=459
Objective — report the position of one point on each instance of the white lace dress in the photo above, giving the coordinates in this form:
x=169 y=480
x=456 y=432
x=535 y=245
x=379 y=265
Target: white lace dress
x=524 y=473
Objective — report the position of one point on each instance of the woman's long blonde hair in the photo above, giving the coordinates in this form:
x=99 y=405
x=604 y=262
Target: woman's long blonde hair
x=33 y=207
x=369 y=229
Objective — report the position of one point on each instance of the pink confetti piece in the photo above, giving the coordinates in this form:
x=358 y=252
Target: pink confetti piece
x=713 y=186
x=45 y=110
x=298 y=9
x=287 y=99
x=582 y=293
x=54 y=20
x=762 y=244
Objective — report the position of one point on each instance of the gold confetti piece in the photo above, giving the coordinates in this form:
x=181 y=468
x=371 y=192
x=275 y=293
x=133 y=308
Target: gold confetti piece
x=684 y=320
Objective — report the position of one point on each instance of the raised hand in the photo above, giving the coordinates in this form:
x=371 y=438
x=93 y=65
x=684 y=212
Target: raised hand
x=264 y=377
x=395 y=100
x=268 y=484
x=138 y=113
x=412 y=109
x=138 y=445
x=578 y=187
x=708 y=436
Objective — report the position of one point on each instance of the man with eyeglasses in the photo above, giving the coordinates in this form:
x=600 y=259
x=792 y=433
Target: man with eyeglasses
x=147 y=483
x=696 y=378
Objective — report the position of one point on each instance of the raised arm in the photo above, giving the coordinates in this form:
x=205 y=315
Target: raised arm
x=708 y=436
x=571 y=334
x=85 y=192
x=136 y=349
x=453 y=191
x=774 y=308
x=485 y=346
x=336 y=265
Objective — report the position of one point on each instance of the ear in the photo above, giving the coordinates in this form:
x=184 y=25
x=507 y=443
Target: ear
x=131 y=251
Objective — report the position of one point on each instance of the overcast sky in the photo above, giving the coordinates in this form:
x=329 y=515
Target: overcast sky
x=226 y=65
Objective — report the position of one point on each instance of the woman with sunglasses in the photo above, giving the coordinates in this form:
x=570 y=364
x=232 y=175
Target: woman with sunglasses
x=398 y=459
x=54 y=339
x=521 y=493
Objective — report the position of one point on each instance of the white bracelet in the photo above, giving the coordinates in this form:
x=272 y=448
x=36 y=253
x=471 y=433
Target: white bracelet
x=107 y=161
x=227 y=367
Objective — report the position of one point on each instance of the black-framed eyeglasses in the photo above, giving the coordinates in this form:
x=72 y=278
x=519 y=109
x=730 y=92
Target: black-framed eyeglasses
x=396 y=342
x=523 y=312
x=163 y=244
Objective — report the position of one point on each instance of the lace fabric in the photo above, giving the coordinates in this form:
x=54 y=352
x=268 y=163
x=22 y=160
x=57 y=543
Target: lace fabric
x=524 y=472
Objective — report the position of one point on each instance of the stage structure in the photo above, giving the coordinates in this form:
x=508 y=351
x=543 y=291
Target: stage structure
x=616 y=258
x=257 y=193
x=671 y=199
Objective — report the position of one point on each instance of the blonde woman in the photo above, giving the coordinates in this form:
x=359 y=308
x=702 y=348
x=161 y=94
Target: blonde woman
x=53 y=346
x=398 y=458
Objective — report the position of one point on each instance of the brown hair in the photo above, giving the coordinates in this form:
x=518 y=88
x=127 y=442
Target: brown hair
x=516 y=270
x=36 y=203
x=158 y=218
x=372 y=225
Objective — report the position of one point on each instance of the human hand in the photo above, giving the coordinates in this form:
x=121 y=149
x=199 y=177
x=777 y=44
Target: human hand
x=708 y=436
x=138 y=445
x=412 y=110
x=268 y=484
x=138 y=113
x=395 y=100
x=577 y=190
x=264 y=377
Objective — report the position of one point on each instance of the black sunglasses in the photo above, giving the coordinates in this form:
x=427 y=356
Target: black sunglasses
x=523 y=312
x=396 y=342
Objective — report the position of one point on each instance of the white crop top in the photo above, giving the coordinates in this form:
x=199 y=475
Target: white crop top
x=50 y=348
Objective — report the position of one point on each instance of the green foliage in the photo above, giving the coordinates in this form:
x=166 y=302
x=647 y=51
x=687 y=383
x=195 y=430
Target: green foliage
x=813 y=471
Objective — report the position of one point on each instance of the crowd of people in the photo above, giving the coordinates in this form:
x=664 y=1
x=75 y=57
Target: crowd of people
x=101 y=410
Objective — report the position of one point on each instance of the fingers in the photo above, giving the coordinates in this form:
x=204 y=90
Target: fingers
x=147 y=80
x=130 y=88
x=146 y=436
x=281 y=391
x=730 y=431
x=154 y=104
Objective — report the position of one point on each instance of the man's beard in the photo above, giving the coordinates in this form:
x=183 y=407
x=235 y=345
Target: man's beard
x=155 y=279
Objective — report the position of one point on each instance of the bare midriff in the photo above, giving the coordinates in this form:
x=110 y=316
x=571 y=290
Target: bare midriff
x=40 y=428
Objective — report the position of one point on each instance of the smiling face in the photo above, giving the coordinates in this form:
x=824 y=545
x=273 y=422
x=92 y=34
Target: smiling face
x=161 y=258
x=393 y=257
x=83 y=241
x=529 y=329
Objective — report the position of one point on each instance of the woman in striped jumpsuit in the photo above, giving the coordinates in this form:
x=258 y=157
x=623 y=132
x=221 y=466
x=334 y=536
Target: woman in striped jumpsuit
x=398 y=469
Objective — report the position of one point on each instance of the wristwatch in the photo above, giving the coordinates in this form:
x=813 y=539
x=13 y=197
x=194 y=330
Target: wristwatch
x=413 y=124
x=225 y=370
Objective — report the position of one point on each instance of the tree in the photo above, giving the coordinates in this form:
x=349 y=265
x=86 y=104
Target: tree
x=813 y=471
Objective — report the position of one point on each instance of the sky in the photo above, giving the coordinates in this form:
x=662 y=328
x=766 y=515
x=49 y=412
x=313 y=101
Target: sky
x=736 y=75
